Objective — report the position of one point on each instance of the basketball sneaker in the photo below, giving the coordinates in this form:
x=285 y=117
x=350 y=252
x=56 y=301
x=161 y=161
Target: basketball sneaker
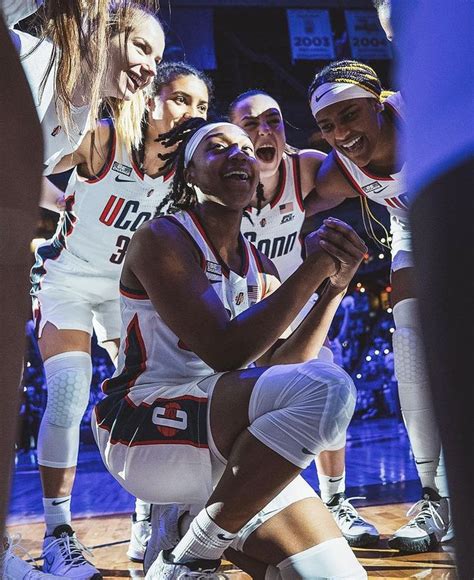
x=139 y=536
x=63 y=555
x=429 y=524
x=358 y=532
x=164 y=531
x=163 y=568
x=12 y=567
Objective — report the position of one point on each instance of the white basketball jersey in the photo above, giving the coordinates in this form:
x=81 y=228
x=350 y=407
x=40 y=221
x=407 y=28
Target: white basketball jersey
x=276 y=230
x=390 y=191
x=151 y=356
x=58 y=142
x=103 y=212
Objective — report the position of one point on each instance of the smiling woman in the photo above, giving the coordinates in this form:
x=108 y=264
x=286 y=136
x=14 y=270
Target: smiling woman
x=365 y=131
x=183 y=414
x=111 y=192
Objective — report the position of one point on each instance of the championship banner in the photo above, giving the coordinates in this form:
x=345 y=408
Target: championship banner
x=367 y=39
x=310 y=35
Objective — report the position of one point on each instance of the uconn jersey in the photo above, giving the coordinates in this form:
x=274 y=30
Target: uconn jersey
x=151 y=354
x=101 y=215
x=390 y=191
x=276 y=230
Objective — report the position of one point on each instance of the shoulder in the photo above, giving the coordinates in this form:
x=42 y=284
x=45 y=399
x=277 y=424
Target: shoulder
x=309 y=161
x=330 y=179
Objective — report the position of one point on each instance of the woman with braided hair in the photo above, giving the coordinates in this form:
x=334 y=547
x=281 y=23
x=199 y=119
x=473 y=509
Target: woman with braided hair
x=111 y=192
x=364 y=130
x=185 y=413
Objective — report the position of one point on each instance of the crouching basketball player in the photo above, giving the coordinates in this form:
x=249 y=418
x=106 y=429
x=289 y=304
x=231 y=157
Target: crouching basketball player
x=186 y=420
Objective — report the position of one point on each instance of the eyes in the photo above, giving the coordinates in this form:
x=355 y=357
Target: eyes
x=221 y=147
x=181 y=100
x=145 y=49
x=272 y=122
x=347 y=117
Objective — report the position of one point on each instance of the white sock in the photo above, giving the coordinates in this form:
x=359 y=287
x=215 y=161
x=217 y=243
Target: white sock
x=440 y=478
x=204 y=540
x=57 y=511
x=329 y=485
x=142 y=509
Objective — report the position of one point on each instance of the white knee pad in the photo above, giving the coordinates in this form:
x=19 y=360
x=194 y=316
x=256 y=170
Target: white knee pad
x=68 y=377
x=300 y=410
x=414 y=390
x=331 y=559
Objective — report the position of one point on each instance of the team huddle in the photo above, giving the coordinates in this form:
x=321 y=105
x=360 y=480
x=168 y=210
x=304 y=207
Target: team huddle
x=180 y=245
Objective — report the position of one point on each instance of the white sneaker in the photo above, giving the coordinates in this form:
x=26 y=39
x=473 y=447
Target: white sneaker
x=428 y=526
x=358 y=532
x=63 y=555
x=164 y=531
x=449 y=531
x=139 y=536
x=163 y=569
x=12 y=567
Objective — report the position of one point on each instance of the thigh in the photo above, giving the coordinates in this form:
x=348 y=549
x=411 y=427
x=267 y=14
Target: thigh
x=229 y=404
x=55 y=341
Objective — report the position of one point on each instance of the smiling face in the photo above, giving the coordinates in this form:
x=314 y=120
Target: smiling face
x=260 y=116
x=132 y=59
x=352 y=127
x=182 y=98
x=224 y=168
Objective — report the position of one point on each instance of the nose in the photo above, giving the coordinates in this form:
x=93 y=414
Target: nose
x=236 y=152
x=341 y=132
x=263 y=128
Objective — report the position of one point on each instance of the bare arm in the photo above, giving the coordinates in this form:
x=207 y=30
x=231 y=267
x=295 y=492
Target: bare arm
x=52 y=197
x=91 y=155
x=330 y=188
x=306 y=341
x=166 y=265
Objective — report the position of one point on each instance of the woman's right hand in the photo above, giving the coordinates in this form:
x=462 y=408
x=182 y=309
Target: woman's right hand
x=344 y=245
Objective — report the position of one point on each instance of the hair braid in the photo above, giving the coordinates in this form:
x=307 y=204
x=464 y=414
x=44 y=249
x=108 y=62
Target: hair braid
x=181 y=194
x=348 y=71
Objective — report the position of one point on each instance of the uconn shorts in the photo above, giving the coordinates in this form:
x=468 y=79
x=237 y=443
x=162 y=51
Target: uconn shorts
x=71 y=296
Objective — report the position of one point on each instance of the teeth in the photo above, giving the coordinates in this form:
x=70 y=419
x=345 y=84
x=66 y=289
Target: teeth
x=351 y=143
x=265 y=147
x=240 y=174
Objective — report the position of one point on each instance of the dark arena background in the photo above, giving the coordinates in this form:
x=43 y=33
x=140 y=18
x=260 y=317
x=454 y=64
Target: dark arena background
x=277 y=46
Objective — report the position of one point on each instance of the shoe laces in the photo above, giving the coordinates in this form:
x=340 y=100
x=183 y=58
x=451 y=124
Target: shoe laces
x=345 y=510
x=12 y=544
x=71 y=550
x=425 y=509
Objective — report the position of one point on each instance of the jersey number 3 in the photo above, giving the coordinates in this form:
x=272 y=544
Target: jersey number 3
x=122 y=245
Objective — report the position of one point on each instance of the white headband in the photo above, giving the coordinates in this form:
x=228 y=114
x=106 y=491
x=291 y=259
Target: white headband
x=330 y=93
x=196 y=139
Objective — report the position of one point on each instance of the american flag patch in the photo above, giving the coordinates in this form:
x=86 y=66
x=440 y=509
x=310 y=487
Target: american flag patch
x=213 y=268
x=252 y=293
x=286 y=207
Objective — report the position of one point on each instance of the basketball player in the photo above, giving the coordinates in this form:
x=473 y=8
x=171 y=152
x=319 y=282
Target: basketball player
x=364 y=132
x=75 y=286
x=52 y=71
x=192 y=305
x=288 y=186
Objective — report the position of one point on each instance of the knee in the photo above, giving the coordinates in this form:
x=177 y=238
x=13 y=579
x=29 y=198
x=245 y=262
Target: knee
x=68 y=381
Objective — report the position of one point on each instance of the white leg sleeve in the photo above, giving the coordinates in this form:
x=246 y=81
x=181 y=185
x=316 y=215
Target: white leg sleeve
x=331 y=559
x=302 y=409
x=414 y=391
x=68 y=377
